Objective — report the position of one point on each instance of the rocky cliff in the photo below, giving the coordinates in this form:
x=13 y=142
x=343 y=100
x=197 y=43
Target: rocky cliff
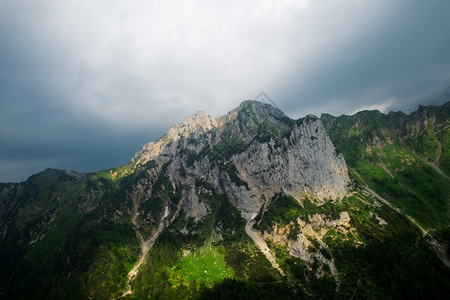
x=251 y=154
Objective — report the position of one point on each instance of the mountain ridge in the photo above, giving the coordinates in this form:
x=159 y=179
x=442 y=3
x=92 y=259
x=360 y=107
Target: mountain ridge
x=248 y=108
x=253 y=199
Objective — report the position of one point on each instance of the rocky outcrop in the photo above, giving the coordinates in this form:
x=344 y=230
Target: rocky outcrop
x=250 y=154
x=308 y=243
x=192 y=127
x=192 y=205
x=303 y=161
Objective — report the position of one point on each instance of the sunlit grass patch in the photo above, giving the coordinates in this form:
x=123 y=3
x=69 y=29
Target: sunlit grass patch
x=206 y=265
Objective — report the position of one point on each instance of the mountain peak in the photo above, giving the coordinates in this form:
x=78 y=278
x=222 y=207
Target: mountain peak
x=193 y=124
x=250 y=119
x=199 y=119
x=257 y=111
x=253 y=103
x=258 y=106
x=242 y=138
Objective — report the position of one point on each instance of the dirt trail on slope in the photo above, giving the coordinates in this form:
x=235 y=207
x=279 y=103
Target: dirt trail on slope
x=147 y=245
x=145 y=248
x=437 y=247
x=259 y=241
x=437 y=169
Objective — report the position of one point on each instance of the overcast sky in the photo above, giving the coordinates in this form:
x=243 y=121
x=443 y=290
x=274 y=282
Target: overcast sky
x=84 y=84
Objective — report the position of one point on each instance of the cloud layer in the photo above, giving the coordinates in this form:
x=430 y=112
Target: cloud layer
x=85 y=83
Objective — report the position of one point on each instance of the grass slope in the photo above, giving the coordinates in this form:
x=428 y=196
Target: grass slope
x=379 y=153
x=376 y=259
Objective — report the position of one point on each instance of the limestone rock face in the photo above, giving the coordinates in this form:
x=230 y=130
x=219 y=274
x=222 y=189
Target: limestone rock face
x=250 y=154
x=192 y=127
x=303 y=161
x=192 y=206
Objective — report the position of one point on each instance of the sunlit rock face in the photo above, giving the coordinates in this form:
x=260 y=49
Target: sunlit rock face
x=252 y=153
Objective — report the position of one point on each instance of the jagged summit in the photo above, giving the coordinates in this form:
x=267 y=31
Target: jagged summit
x=198 y=121
x=256 y=103
x=251 y=109
x=243 y=122
x=311 y=116
x=201 y=119
x=255 y=137
x=259 y=109
x=191 y=125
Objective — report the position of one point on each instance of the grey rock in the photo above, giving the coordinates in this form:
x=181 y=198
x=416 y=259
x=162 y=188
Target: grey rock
x=192 y=205
x=270 y=152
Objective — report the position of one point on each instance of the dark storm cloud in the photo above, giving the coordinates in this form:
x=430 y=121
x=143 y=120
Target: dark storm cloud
x=37 y=135
x=39 y=126
x=394 y=64
x=38 y=131
x=84 y=84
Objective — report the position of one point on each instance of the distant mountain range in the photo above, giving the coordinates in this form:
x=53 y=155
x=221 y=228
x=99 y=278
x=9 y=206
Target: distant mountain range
x=251 y=205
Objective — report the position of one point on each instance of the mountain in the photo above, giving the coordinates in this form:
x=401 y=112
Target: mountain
x=403 y=158
x=249 y=205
